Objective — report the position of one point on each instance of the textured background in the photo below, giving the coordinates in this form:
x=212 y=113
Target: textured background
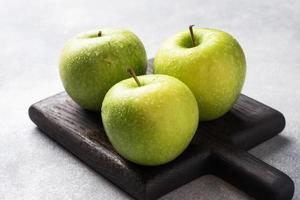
x=32 y=34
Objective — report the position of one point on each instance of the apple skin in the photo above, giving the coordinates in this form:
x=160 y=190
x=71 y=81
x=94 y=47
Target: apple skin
x=151 y=124
x=91 y=64
x=214 y=69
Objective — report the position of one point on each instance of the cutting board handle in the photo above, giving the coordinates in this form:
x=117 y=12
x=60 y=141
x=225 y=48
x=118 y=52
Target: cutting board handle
x=250 y=174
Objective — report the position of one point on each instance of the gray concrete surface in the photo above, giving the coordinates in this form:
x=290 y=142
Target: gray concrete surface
x=33 y=32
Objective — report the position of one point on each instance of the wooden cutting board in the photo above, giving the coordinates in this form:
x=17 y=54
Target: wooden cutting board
x=219 y=148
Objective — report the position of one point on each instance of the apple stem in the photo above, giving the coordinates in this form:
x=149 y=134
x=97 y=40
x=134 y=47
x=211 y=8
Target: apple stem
x=99 y=34
x=132 y=73
x=192 y=35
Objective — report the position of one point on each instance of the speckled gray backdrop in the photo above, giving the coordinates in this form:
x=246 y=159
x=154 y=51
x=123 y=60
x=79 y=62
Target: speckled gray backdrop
x=32 y=167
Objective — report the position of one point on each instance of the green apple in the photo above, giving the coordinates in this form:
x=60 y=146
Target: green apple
x=153 y=123
x=213 y=68
x=92 y=62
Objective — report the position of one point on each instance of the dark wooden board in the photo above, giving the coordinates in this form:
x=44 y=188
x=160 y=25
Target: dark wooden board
x=219 y=148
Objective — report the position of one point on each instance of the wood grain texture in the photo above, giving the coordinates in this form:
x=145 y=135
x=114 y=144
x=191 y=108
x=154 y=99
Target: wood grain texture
x=219 y=148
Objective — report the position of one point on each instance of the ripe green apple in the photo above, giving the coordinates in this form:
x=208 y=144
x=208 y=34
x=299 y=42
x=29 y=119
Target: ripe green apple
x=92 y=62
x=214 y=69
x=153 y=123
